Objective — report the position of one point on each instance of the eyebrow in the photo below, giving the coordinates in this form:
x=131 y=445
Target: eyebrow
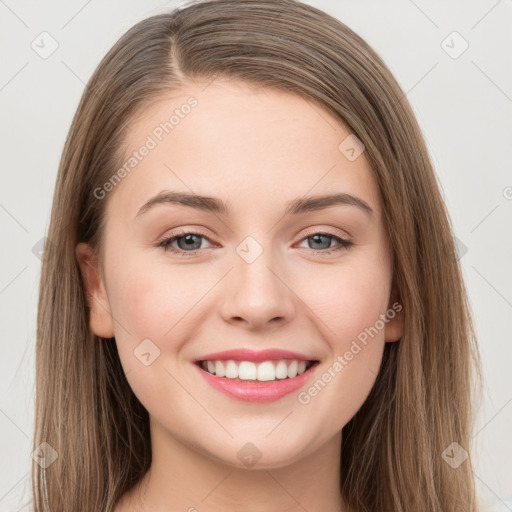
x=297 y=206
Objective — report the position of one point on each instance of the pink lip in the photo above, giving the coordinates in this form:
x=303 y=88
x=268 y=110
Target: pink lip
x=251 y=391
x=253 y=355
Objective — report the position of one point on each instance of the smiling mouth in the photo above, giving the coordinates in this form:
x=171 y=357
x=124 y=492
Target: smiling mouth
x=249 y=371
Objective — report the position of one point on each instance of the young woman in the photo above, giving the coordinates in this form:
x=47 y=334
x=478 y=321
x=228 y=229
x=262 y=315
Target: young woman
x=251 y=298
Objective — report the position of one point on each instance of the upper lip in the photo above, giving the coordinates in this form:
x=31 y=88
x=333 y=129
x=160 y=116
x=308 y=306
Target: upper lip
x=254 y=355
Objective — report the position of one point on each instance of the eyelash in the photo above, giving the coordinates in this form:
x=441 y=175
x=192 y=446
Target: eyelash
x=166 y=243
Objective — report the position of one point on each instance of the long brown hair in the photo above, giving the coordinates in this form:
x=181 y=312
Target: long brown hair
x=421 y=403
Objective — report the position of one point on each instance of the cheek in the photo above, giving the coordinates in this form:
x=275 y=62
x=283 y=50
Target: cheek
x=357 y=297
x=360 y=301
x=149 y=297
x=348 y=299
x=158 y=302
x=152 y=312
x=152 y=301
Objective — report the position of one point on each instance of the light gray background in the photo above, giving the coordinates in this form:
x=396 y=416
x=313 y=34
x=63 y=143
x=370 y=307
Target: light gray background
x=464 y=107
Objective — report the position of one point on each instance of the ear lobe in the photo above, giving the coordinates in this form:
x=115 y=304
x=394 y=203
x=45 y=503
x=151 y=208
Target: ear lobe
x=394 y=329
x=100 y=321
x=395 y=326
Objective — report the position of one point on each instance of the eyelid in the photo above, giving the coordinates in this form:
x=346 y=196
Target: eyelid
x=182 y=232
x=327 y=231
x=309 y=232
x=343 y=242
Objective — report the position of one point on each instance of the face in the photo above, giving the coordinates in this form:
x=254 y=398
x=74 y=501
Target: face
x=248 y=268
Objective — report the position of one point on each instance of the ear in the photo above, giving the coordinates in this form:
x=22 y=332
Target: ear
x=101 y=323
x=394 y=329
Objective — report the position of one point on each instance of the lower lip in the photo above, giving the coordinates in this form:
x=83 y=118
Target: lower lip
x=257 y=391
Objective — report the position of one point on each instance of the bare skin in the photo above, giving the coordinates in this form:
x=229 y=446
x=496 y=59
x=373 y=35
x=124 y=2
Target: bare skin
x=256 y=150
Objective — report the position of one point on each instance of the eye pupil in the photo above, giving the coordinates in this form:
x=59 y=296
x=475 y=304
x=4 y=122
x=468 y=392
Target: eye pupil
x=189 y=241
x=317 y=239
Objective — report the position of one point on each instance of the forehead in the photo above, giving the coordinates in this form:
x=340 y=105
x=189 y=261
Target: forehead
x=242 y=144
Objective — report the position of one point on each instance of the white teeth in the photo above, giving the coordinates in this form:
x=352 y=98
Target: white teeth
x=248 y=370
x=292 y=369
x=231 y=370
x=281 y=370
x=266 y=371
x=219 y=369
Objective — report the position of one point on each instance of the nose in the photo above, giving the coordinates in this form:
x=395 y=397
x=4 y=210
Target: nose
x=258 y=295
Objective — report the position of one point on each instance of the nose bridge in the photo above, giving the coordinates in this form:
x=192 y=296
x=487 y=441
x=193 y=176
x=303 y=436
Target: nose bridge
x=259 y=293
